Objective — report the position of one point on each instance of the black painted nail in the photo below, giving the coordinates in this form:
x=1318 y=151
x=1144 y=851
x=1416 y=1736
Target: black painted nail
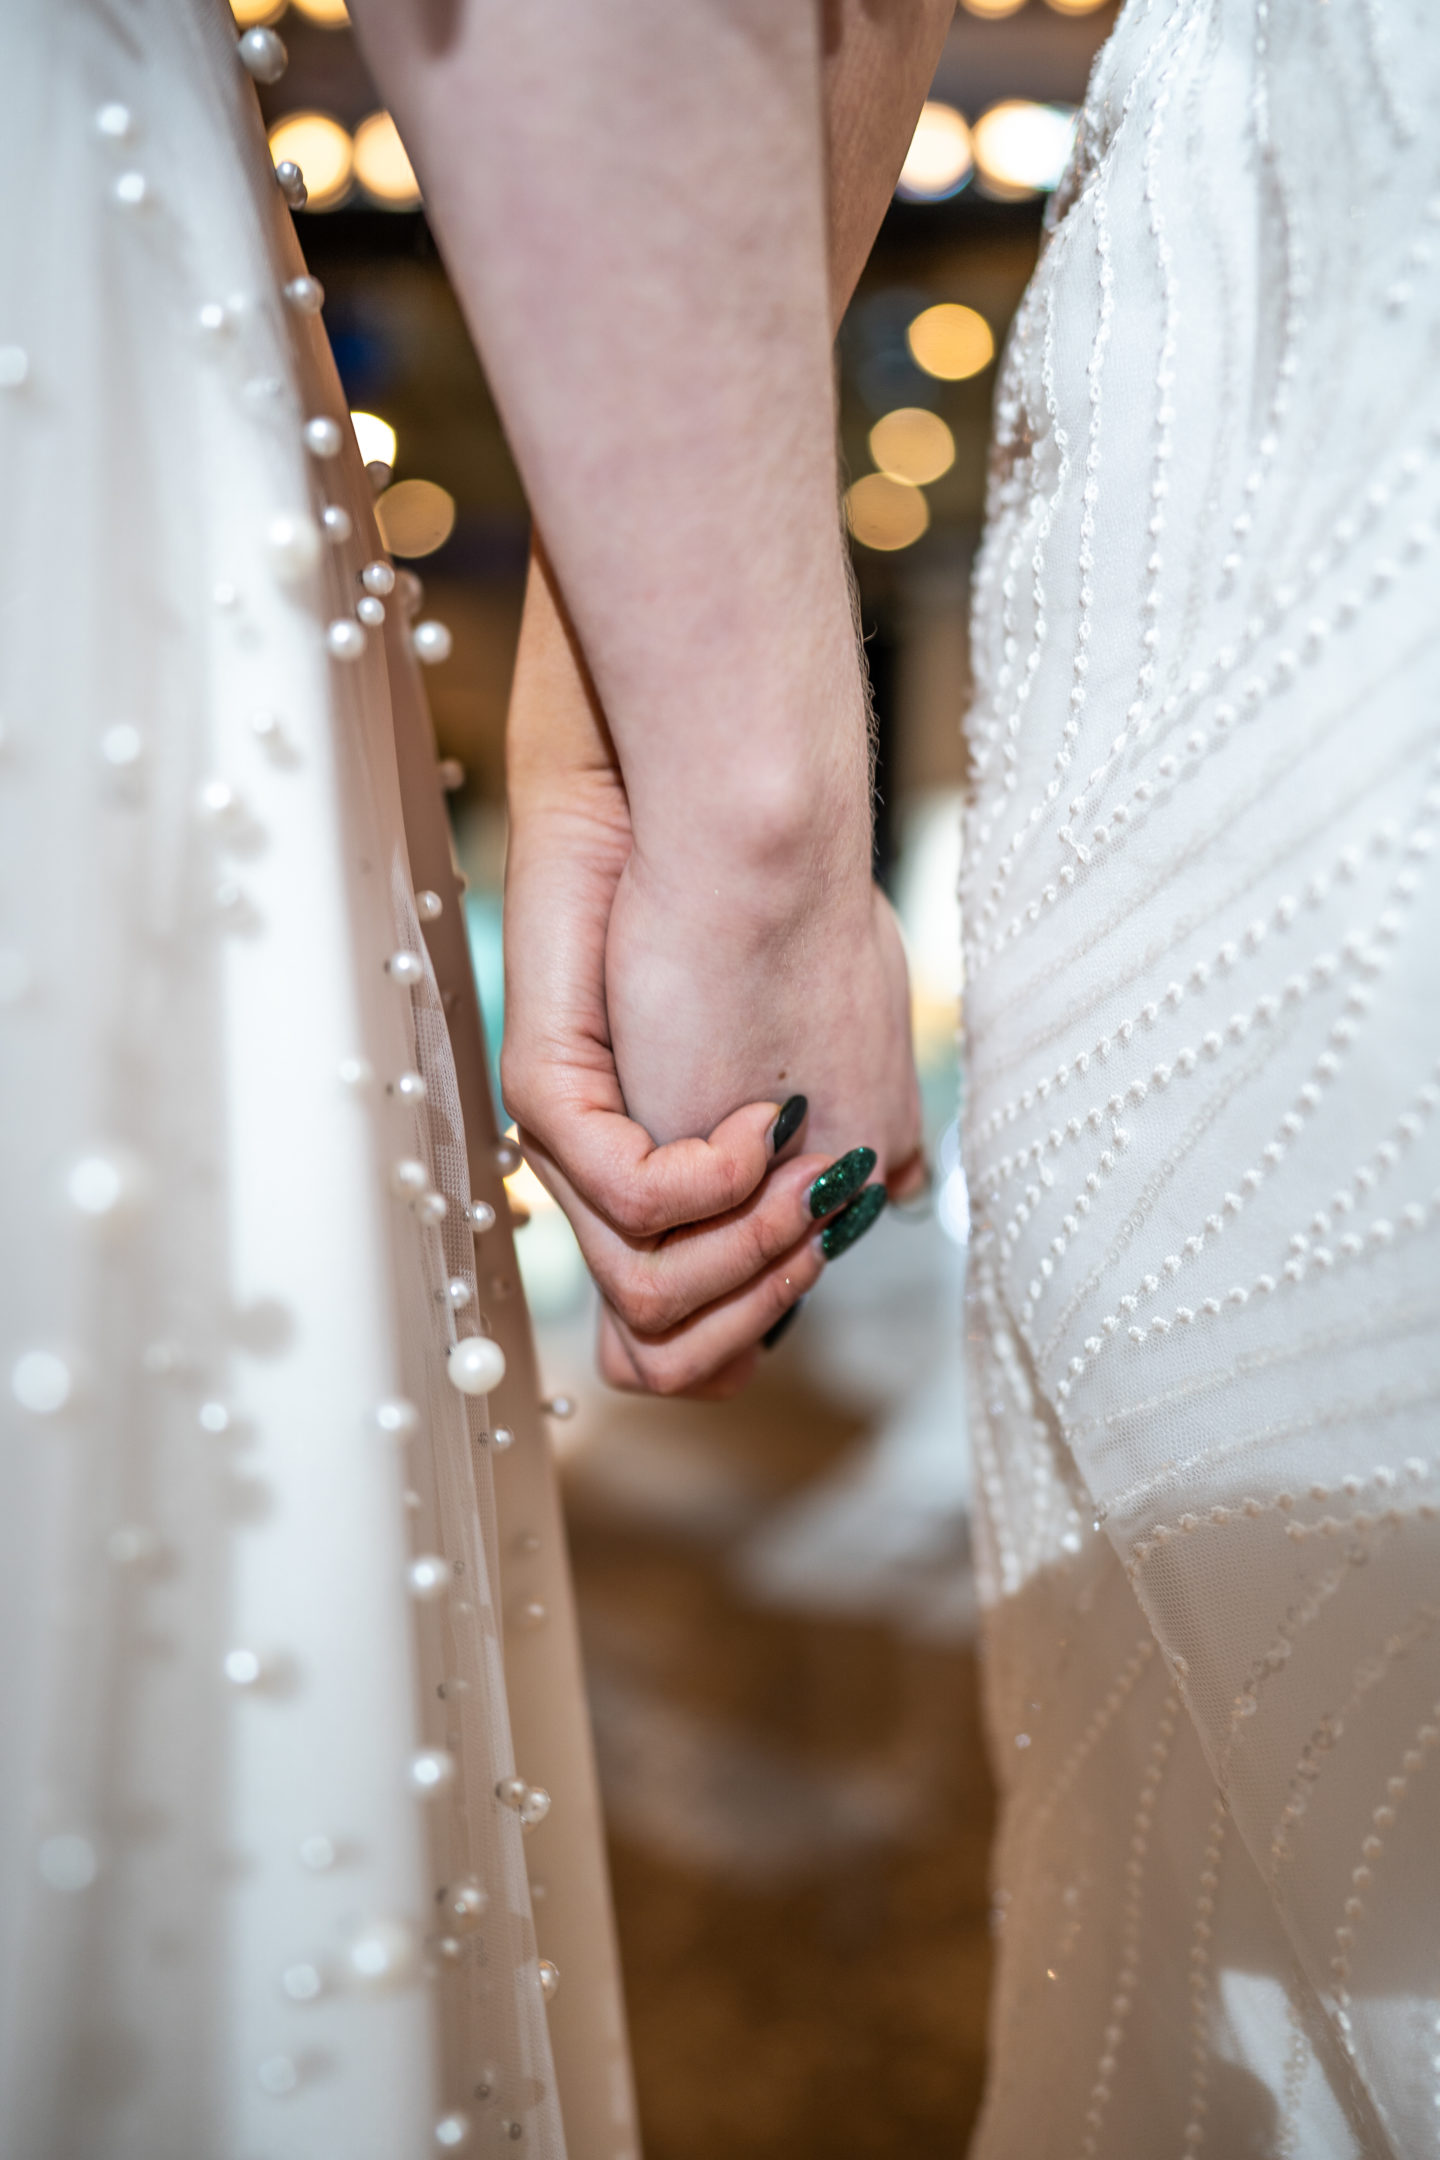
x=841 y=1181
x=772 y=1335
x=788 y=1123
x=837 y=1237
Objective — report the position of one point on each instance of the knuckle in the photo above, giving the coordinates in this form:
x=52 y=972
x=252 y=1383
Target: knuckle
x=633 y=1213
x=759 y=1243
x=640 y=1301
x=637 y=1209
x=665 y=1371
x=525 y=1102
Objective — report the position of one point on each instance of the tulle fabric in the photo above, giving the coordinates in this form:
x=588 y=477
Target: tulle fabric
x=1203 y=972
x=249 y=1758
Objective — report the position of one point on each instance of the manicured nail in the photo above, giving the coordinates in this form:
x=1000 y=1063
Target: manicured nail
x=772 y=1335
x=841 y=1181
x=838 y=1236
x=788 y=1123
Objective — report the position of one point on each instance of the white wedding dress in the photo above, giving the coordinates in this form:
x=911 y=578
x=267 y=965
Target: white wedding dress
x=267 y=1578
x=1203 y=1002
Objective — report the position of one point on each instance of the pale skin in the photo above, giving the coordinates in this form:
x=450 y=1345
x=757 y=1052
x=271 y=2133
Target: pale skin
x=653 y=216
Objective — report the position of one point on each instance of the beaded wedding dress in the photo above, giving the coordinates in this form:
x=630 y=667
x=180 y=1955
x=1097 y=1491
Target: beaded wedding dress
x=1203 y=999
x=265 y=1587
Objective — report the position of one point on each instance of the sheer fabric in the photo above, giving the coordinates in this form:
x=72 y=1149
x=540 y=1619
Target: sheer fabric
x=1203 y=974
x=262 y=1885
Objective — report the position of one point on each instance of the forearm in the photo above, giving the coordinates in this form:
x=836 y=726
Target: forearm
x=877 y=66
x=630 y=197
x=879 y=62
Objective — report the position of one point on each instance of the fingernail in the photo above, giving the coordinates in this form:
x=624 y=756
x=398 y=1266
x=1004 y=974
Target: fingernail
x=788 y=1123
x=838 y=1236
x=772 y=1335
x=841 y=1181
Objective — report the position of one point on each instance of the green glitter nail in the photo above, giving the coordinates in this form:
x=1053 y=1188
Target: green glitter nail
x=837 y=1237
x=841 y=1181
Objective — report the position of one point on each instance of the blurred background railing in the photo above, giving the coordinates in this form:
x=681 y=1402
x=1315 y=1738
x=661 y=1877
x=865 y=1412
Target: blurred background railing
x=775 y=1594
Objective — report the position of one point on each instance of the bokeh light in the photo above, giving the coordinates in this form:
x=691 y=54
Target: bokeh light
x=376 y=438
x=1021 y=149
x=1075 y=7
x=381 y=166
x=939 y=160
x=912 y=444
x=950 y=341
x=992 y=10
x=415 y=517
x=251 y=14
x=527 y=1192
x=332 y=14
x=886 y=513
x=323 y=151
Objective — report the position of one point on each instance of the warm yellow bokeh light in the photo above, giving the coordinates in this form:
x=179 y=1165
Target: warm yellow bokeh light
x=332 y=14
x=381 y=166
x=253 y=14
x=992 y=10
x=376 y=438
x=940 y=157
x=886 y=513
x=1021 y=149
x=950 y=342
x=912 y=444
x=415 y=517
x=527 y=1192
x=323 y=151
x=1075 y=7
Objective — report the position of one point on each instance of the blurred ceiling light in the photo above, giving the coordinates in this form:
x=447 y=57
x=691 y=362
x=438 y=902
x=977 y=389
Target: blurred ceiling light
x=992 y=10
x=415 y=517
x=381 y=165
x=332 y=14
x=323 y=151
x=252 y=14
x=912 y=444
x=886 y=513
x=1075 y=7
x=939 y=160
x=1021 y=149
x=950 y=341
x=376 y=438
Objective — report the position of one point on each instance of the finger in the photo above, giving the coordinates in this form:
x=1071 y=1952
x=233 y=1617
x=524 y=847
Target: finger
x=695 y=1353
x=656 y=1286
x=910 y=1178
x=618 y=1369
x=639 y=1188
x=616 y=1366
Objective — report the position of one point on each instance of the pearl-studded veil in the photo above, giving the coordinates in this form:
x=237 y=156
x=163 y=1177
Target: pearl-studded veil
x=263 y=1826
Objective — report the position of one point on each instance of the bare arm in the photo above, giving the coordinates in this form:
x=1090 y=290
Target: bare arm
x=571 y=837
x=877 y=63
x=630 y=196
x=879 y=60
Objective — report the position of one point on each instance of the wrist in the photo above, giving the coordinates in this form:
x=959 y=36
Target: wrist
x=771 y=791
x=768 y=846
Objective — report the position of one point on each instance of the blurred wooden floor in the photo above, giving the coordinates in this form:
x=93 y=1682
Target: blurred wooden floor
x=800 y=1806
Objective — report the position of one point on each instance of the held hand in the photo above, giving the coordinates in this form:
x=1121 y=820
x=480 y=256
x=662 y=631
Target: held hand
x=704 y=1006
x=700 y=1246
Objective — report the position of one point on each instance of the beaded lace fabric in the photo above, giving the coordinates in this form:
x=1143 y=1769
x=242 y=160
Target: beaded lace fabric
x=259 y=1899
x=1203 y=1000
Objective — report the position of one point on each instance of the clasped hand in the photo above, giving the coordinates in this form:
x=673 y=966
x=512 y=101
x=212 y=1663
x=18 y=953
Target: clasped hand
x=634 y=984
